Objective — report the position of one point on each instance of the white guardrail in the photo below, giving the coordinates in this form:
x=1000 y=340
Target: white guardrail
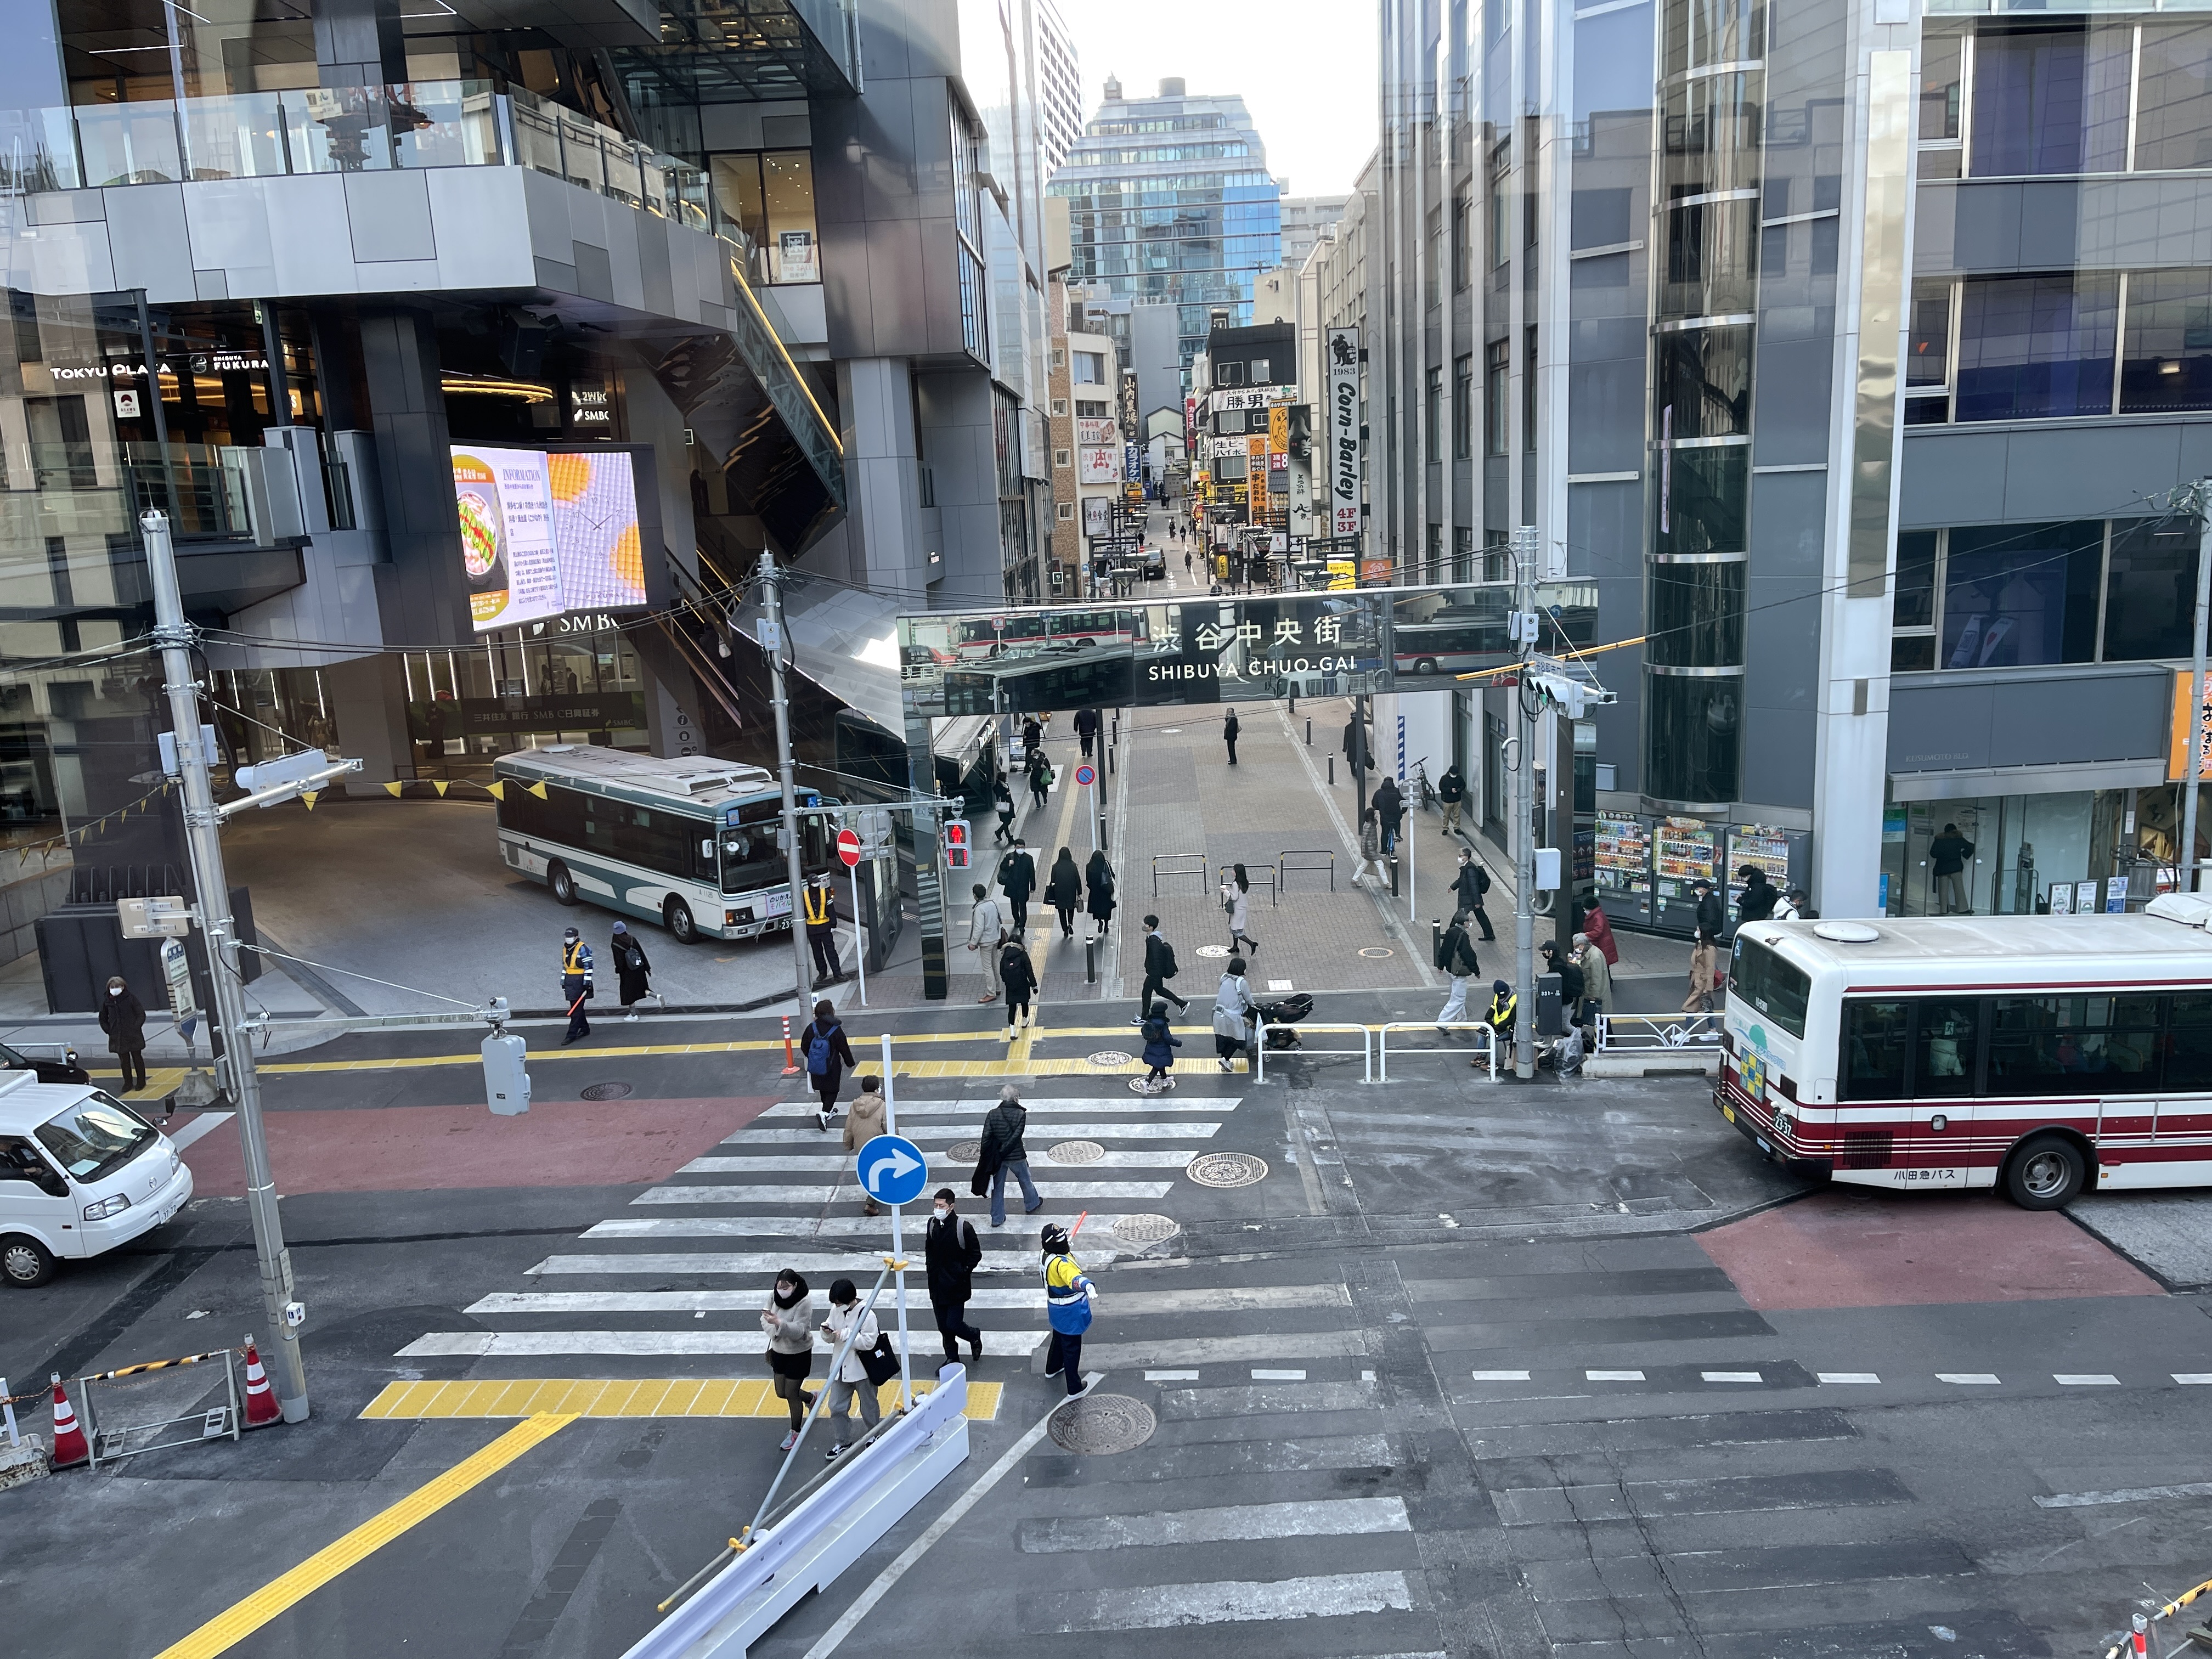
x=1485 y=1047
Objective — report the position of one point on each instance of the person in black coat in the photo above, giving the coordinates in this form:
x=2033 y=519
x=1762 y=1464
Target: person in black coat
x=1098 y=879
x=123 y=1017
x=1018 y=880
x=1229 y=734
x=631 y=969
x=1063 y=890
x=953 y=1253
x=825 y=1053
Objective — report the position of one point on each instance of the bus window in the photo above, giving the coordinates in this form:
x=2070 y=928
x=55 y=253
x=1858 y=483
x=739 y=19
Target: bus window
x=1762 y=980
x=1948 y=1032
x=1875 y=1047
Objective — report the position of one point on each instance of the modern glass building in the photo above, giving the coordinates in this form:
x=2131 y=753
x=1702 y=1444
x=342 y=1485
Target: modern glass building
x=1170 y=198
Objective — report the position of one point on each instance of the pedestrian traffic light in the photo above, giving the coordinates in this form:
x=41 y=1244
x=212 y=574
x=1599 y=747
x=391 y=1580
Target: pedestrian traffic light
x=956 y=846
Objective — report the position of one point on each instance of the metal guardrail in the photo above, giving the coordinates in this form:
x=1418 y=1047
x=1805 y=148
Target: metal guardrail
x=1486 y=1043
x=1284 y=866
x=1228 y=872
x=1629 y=1032
x=1259 y=1046
x=1185 y=864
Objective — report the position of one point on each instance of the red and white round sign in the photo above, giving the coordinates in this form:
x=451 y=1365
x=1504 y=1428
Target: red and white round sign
x=848 y=848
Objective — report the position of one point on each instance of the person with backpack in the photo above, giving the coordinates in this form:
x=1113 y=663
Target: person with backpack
x=1455 y=958
x=1160 y=1044
x=631 y=970
x=1159 y=968
x=1019 y=975
x=863 y=1123
x=826 y=1053
x=575 y=983
x=1063 y=890
x=1068 y=1294
x=1018 y=880
x=1237 y=900
x=849 y=1379
x=1004 y=1153
x=952 y=1253
x=1472 y=882
x=1098 y=884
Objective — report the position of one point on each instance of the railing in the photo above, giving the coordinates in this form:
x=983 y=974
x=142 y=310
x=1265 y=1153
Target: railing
x=1648 y=1031
x=1258 y=1048
x=1486 y=1043
x=1182 y=864
x=1284 y=867
x=1263 y=874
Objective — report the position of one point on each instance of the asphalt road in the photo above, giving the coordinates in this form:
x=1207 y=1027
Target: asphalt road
x=1471 y=1370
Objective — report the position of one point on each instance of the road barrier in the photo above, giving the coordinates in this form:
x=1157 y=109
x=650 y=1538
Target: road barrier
x=1259 y=1046
x=1184 y=864
x=1285 y=868
x=1263 y=874
x=1485 y=1048
x=111 y=1441
x=1617 y=1032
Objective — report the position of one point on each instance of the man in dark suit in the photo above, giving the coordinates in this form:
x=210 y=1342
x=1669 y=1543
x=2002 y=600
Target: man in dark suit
x=1159 y=968
x=1018 y=880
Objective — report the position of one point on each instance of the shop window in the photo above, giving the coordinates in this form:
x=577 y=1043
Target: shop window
x=2150 y=589
x=2166 y=363
x=2173 y=112
x=2015 y=595
x=770 y=193
x=2036 y=346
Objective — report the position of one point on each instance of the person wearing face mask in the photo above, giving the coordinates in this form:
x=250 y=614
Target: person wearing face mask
x=953 y=1252
x=123 y=1017
x=789 y=1320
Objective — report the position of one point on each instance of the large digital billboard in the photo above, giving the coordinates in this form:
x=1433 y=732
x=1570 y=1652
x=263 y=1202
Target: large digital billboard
x=542 y=533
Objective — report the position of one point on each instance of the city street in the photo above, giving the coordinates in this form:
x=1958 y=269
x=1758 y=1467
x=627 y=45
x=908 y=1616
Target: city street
x=1466 y=1368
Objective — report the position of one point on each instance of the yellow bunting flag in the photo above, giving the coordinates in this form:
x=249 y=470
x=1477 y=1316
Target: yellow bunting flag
x=496 y=791
x=393 y=789
x=309 y=798
x=441 y=786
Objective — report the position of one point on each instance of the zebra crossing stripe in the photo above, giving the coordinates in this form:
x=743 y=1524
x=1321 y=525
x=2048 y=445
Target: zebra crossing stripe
x=1235 y=1523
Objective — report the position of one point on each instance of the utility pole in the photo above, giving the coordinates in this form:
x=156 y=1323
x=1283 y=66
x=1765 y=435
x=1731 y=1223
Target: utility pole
x=1524 y=809
x=2196 y=499
x=773 y=643
x=203 y=842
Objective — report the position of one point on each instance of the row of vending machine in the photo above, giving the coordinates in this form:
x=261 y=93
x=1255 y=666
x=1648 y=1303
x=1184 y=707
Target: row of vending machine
x=1643 y=866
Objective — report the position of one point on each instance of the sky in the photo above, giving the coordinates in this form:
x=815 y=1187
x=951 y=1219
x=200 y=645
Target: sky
x=1306 y=68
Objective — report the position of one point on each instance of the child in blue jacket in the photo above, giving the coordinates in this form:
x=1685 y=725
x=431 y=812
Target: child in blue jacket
x=1160 y=1044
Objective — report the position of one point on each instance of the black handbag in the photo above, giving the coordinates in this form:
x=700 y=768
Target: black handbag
x=881 y=1362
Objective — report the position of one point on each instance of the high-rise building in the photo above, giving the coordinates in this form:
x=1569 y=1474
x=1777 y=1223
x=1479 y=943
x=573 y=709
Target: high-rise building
x=1305 y=218
x=1844 y=368
x=1170 y=198
x=1060 y=86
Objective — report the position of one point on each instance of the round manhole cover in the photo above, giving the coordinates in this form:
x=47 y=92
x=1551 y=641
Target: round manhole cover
x=1101 y=1423
x=963 y=1151
x=1227 y=1169
x=1108 y=1060
x=1144 y=1228
x=1076 y=1152
x=606 y=1092
x=1213 y=949
x=1375 y=952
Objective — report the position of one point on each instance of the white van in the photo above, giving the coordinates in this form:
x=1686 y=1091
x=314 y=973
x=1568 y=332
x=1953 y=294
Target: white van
x=80 y=1173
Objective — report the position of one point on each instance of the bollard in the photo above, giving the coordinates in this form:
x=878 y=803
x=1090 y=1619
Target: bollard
x=790 y=1063
x=1331 y=771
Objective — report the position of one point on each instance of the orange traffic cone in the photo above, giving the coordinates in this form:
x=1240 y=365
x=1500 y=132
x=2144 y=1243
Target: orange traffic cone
x=260 y=1398
x=70 y=1447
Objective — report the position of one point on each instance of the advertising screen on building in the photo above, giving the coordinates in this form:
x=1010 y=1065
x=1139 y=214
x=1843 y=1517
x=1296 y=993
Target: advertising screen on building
x=543 y=534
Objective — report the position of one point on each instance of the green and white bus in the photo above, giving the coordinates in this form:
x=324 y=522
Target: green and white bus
x=693 y=843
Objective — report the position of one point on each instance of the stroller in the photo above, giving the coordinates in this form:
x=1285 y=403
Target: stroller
x=1281 y=1015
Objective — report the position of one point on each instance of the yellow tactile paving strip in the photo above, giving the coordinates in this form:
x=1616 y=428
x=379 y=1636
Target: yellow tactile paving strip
x=682 y=1396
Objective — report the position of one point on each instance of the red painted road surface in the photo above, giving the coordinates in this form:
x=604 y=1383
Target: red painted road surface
x=394 y=1149
x=1831 y=1250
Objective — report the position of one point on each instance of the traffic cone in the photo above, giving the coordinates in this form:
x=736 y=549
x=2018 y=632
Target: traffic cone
x=260 y=1398
x=70 y=1447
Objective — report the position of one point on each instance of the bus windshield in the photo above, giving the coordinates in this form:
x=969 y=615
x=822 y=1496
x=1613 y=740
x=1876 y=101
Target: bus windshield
x=1777 y=988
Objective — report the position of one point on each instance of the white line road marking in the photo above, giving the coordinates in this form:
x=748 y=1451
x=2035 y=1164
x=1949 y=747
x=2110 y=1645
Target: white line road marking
x=1846 y=1377
x=2082 y=1500
x=1321 y=1518
x=2192 y=1379
x=1200 y=1130
x=1732 y=1376
x=199 y=1126
x=1501 y=1377
x=1614 y=1377
x=699 y=1302
x=530 y=1345
x=1171 y=1376
x=1973 y=1379
x=848 y=1192
x=715 y=1264
x=1278 y=1377
x=2085 y=1379
x=1168 y=1607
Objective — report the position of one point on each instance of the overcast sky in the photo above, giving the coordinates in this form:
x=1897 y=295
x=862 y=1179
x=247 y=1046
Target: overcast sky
x=1306 y=70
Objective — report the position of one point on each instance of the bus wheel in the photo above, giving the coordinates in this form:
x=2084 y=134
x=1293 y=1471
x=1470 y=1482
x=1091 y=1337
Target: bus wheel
x=562 y=883
x=2045 y=1173
x=25 y=1261
x=677 y=916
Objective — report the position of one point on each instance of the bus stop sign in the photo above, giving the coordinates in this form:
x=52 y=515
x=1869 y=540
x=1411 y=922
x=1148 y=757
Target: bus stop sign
x=848 y=848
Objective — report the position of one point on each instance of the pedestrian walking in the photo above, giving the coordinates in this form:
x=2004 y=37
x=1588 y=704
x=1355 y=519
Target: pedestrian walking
x=1004 y=799
x=1455 y=958
x=1098 y=881
x=1757 y=899
x=1063 y=890
x=1237 y=900
x=1160 y=968
x=952 y=1252
x=1370 y=847
x=1947 y=864
x=846 y=1325
x=1040 y=779
x=788 y=1321
x=1712 y=917
x=1004 y=1153
x=828 y=1055
x=864 y=1122
x=1597 y=979
x=1232 y=1015
x=1705 y=968
x=1160 y=1044
x=1018 y=880
x=821 y=903
x=123 y=1017
x=1068 y=1294
x=1389 y=803
x=1468 y=887
x=633 y=972
x=1229 y=734
x=1451 y=795
x=575 y=983
x=1087 y=729
x=1018 y=974
x=986 y=935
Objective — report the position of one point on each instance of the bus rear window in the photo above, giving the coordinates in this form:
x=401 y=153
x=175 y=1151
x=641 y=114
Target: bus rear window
x=1761 y=980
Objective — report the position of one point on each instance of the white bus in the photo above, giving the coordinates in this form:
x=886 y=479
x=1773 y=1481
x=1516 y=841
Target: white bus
x=695 y=844
x=2046 y=1055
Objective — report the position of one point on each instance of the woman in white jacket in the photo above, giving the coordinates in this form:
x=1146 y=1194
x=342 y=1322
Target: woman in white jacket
x=1232 y=1015
x=851 y=1377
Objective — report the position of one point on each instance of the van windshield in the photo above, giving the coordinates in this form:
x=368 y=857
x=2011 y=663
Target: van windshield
x=95 y=1138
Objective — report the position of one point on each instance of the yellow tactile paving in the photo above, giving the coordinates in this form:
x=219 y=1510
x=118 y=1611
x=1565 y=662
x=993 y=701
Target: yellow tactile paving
x=613 y=1397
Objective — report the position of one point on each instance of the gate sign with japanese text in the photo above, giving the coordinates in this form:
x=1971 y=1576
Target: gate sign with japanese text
x=1344 y=431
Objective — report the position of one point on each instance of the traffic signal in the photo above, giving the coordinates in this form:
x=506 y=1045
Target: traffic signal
x=957 y=850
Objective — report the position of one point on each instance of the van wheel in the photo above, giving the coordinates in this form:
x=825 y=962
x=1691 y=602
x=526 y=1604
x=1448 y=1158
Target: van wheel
x=25 y=1261
x=2046 y=1174
x=677 y=916
x=562 y=883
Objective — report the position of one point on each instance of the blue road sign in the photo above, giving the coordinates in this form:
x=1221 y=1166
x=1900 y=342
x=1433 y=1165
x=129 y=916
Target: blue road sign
x=892 y=1170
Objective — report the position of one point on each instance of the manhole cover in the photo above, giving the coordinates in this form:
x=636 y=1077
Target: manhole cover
x=1104 y=1423
x=1227 y=1169
x=1213 y=949
x=963 y=1151
x=1144 y=1228
x=1108 y=1060
x=606 y=1092
x=1375 y=952
x=1076 y=1152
